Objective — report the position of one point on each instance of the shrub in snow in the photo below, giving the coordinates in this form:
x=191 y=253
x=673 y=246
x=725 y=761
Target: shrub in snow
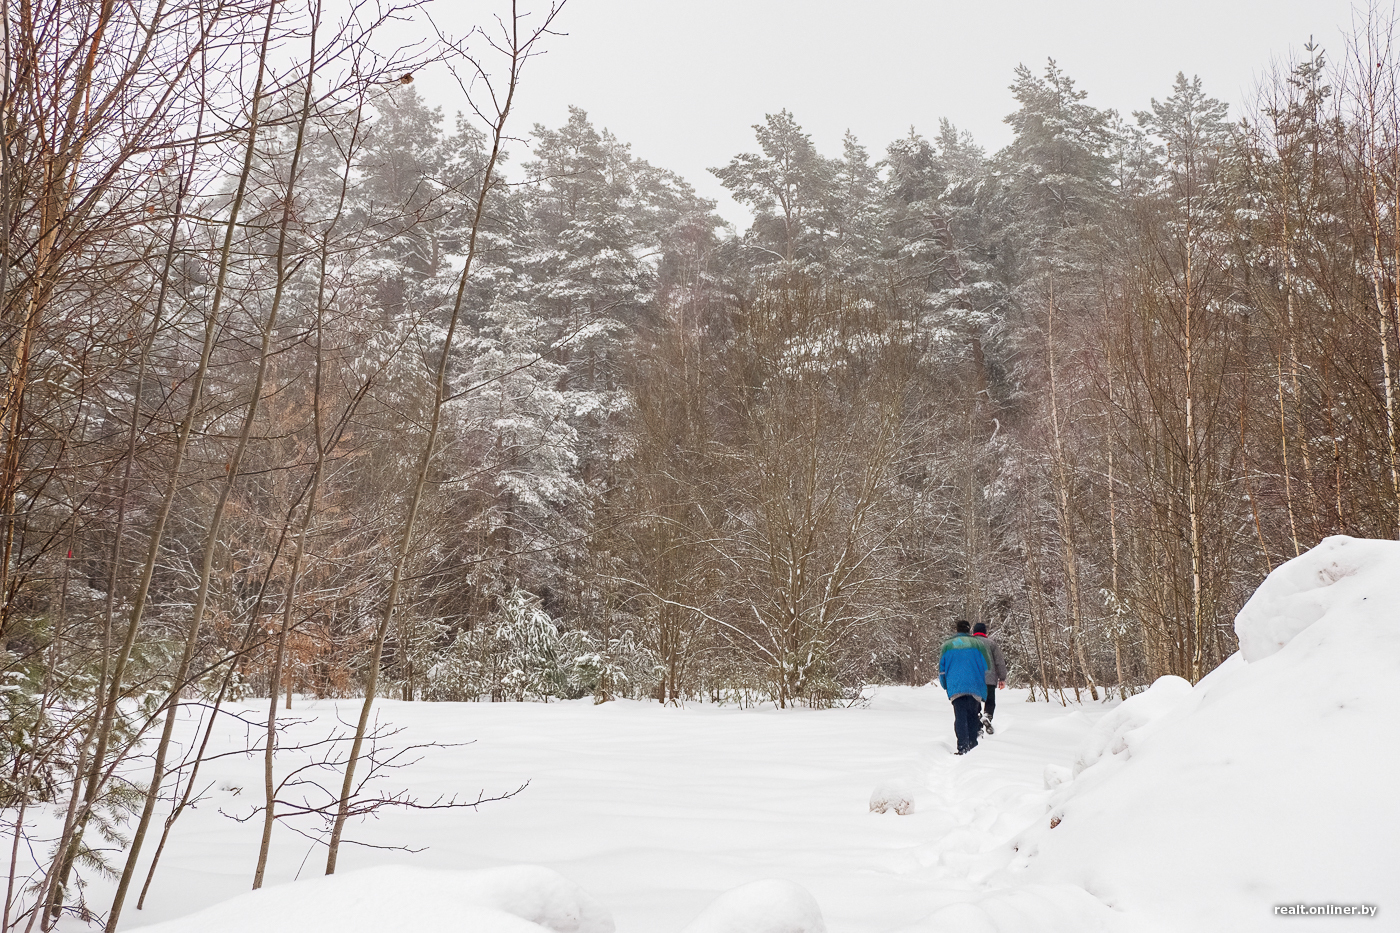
x=612 y=667
x=769 y=906
x=459 y=671
x=509 y=658
x=892 y=795
x=525 y=643
x=522 y=655
x=399 y=899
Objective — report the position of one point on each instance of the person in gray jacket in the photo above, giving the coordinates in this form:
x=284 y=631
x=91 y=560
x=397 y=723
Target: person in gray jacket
x=996 y=677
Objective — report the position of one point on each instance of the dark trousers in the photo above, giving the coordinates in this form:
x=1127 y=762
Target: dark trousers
x=966 y=710
x=991 y=700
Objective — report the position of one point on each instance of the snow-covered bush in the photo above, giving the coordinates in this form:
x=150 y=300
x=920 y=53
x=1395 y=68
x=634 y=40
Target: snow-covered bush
x=614 y=667
x=525 y=644
x=459 y=672
x=522 y=655
x=514 y=656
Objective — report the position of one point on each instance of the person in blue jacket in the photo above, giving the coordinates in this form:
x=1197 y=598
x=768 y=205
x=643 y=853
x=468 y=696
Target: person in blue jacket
x=963 y=663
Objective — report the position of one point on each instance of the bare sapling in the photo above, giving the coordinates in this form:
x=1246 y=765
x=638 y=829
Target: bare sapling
x=192 y=634
x=322 y=446
x=302 y=794
x=516 y=47
x=95 y=769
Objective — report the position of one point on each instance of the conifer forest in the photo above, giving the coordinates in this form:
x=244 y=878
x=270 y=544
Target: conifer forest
x=313 y=388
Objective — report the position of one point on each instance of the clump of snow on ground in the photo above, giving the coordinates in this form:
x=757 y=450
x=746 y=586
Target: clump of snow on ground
x=896 y=795
x=393 y=898
x=1271 y=782
x=768 y=906
x=1115 y=733
x=1055 y=775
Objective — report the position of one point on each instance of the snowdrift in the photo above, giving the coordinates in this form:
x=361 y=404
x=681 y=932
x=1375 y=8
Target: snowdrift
x=519 y=899
x=398 y=899
x=768 y=906
x=1272 y=782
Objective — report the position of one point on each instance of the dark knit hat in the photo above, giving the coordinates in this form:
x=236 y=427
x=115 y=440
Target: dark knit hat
x=980 y=628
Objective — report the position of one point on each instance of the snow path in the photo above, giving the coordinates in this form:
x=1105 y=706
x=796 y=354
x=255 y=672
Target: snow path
x=656 y=811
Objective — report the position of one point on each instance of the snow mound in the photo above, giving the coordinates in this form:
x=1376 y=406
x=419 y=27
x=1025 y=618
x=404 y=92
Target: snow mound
x=768 y=906
x=892 y=795
x=1115 y=733
x=1271 y=782
x=399 y=899
x=1334 y=576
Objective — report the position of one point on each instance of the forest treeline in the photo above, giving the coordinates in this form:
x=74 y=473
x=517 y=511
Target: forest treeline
x=311 y=389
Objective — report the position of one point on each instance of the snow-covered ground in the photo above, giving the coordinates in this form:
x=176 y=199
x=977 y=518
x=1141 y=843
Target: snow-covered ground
x=657 y=811
x=1271 y=783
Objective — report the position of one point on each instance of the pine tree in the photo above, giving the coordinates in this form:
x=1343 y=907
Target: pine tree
x=787 y=186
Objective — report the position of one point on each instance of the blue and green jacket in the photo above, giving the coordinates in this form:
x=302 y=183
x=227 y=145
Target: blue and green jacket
x=962 y=666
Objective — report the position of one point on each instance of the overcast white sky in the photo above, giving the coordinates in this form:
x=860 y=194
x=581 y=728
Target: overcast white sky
x=683 y=81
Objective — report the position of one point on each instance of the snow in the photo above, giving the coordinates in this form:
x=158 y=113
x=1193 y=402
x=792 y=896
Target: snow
x=1270 y=783
x=1116 y=733
x=1337 y=576
x=1025 y=908
x=767 y=906
x=656 y=812
x=893 y=796
x=393 y=898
